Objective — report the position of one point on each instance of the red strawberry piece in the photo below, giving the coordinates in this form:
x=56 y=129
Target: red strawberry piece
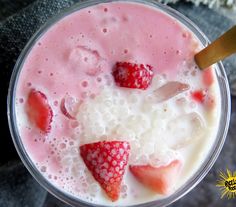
x=159 y=179
x=107 y=161
x=39 y=110
x=131 y=75
x=199 y=96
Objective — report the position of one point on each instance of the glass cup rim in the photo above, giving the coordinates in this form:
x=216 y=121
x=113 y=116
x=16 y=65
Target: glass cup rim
x=72 y=200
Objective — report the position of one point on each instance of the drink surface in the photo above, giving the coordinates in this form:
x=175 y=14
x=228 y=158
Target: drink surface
x=72 y=65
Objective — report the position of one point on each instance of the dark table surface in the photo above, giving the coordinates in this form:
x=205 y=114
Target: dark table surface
x=17 y=187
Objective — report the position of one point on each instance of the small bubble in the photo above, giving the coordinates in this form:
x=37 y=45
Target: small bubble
x=62 y=146
x=71 y=143
x=43 y=169
x=125 y=18
x=105 y=30
x=21 y=100
x=184 y=35
x=84 y=83
x=55 y=103
x=125 y=51
x=99 y=79
x=85 y=59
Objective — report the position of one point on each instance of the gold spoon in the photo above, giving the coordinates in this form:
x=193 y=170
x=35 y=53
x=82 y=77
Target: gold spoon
x=221 y=48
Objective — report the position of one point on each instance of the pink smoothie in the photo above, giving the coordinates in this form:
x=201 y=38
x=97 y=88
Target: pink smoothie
x=72 y=65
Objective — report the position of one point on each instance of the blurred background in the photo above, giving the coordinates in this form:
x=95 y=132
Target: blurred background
x=19 y=19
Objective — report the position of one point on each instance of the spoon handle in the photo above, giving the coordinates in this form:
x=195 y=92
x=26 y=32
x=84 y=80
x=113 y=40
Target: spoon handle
x=221 y=48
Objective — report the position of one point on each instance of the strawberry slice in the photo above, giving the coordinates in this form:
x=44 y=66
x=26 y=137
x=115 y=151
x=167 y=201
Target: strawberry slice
x=106 y=161
x=39 y=111
x=159 y=179
x=131 y=75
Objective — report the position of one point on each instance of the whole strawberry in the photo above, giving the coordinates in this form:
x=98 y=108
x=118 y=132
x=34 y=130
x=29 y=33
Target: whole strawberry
x=107 y=161
x=132 y=75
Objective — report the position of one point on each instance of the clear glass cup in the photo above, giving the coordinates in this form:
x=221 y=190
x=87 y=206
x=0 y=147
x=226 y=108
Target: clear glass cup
x=192 y=182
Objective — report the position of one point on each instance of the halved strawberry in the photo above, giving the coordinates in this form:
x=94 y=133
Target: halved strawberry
x=159 y=179
x=131 y=75
x=106 y=161
x=39 y=110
